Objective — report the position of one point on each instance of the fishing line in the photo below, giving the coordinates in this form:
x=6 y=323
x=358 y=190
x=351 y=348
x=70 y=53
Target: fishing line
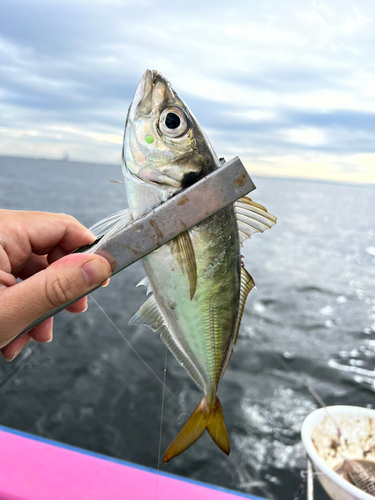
x=361 y=479
x=161 y=421
x=130 y=345
x=304 y=474
x=163 y=398
x=307 y=481
x=358 y=475
x=276 y=357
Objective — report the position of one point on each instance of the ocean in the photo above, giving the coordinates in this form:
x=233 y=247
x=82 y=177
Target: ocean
x=99 y=386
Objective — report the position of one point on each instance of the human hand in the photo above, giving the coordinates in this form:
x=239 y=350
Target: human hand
x=34 y=247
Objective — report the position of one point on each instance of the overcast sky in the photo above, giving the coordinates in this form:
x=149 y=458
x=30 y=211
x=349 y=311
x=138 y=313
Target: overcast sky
x=289 y=86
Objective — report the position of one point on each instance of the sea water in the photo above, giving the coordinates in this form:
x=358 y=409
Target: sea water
x=314 y=308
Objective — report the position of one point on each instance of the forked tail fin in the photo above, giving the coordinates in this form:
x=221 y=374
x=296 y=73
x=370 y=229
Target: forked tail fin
x=202 y=418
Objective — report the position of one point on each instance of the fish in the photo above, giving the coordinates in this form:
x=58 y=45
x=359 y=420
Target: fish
x=357 y=474
x=197 y=281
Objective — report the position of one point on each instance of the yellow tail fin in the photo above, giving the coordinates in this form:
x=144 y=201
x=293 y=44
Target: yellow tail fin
x=202 y=418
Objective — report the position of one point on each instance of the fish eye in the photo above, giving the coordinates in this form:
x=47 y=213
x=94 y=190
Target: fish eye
x=173 y=122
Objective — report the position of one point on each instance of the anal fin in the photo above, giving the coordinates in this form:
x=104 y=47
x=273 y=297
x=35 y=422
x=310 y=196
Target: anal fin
x=148 y=314
x=181 y=356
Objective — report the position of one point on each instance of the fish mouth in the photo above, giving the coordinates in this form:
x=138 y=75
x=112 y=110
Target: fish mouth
x=152 y=92
x=142 y=103
x=150 y=76
x=147 y=82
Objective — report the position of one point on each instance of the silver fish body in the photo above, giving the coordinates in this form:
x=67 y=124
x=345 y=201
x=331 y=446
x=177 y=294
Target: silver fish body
x=199 y=285
x=203 y=325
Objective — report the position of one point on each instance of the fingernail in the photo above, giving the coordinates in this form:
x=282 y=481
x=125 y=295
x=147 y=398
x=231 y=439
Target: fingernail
x=14 y=355
x=50 y=340
x=106 y=283
x=95 y=271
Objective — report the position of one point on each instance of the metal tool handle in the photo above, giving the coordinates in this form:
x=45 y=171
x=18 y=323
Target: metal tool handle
x=178 y=214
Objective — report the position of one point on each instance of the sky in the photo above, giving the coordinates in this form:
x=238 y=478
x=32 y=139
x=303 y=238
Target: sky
x=289 y=86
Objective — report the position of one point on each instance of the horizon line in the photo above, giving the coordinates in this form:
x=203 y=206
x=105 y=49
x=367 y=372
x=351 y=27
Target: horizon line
x=267 y=176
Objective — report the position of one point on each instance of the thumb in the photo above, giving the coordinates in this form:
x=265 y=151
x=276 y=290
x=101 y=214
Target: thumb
x=63 y=281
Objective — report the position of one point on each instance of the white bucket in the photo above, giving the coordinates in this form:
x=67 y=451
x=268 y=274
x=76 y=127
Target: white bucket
x=335 y=486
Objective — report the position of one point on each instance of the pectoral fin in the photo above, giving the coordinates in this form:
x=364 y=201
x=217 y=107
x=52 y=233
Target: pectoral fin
x=113 y=223
x=183 y=251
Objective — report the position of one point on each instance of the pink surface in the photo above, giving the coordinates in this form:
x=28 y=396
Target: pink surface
x=32 y=469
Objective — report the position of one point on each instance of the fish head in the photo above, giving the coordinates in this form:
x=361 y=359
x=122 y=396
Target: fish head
x=163 y=143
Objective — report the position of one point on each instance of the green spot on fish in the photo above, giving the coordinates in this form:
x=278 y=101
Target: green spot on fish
x=149 y=139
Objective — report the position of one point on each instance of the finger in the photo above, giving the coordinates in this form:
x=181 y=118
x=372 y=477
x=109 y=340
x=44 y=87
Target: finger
x=61 y=282
x=78 y=307
x=63 y=230
x=13 y=349
x=23 y=233
x=56 y=254
x=4 y=258
x=42 y=332
x=37 y=263
x=7 y=279
x=46 y=230
x=34 y=264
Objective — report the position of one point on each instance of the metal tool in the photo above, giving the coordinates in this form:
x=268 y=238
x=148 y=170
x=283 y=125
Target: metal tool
x=181 y=212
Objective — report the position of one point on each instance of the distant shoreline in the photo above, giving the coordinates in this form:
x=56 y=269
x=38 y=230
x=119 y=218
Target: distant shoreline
x=118 y=165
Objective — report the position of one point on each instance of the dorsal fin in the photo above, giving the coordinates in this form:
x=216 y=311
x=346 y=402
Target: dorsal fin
x=251 y=218
x=182 y=249
x=247 y=284
x=148 y=314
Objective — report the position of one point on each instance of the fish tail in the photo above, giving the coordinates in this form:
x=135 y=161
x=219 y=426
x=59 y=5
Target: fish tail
x=203 y=417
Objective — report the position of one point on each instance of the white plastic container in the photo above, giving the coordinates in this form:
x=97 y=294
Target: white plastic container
x=335 y=486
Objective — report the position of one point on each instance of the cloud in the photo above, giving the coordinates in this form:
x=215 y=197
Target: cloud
x=286 y=80
x=306 y=136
